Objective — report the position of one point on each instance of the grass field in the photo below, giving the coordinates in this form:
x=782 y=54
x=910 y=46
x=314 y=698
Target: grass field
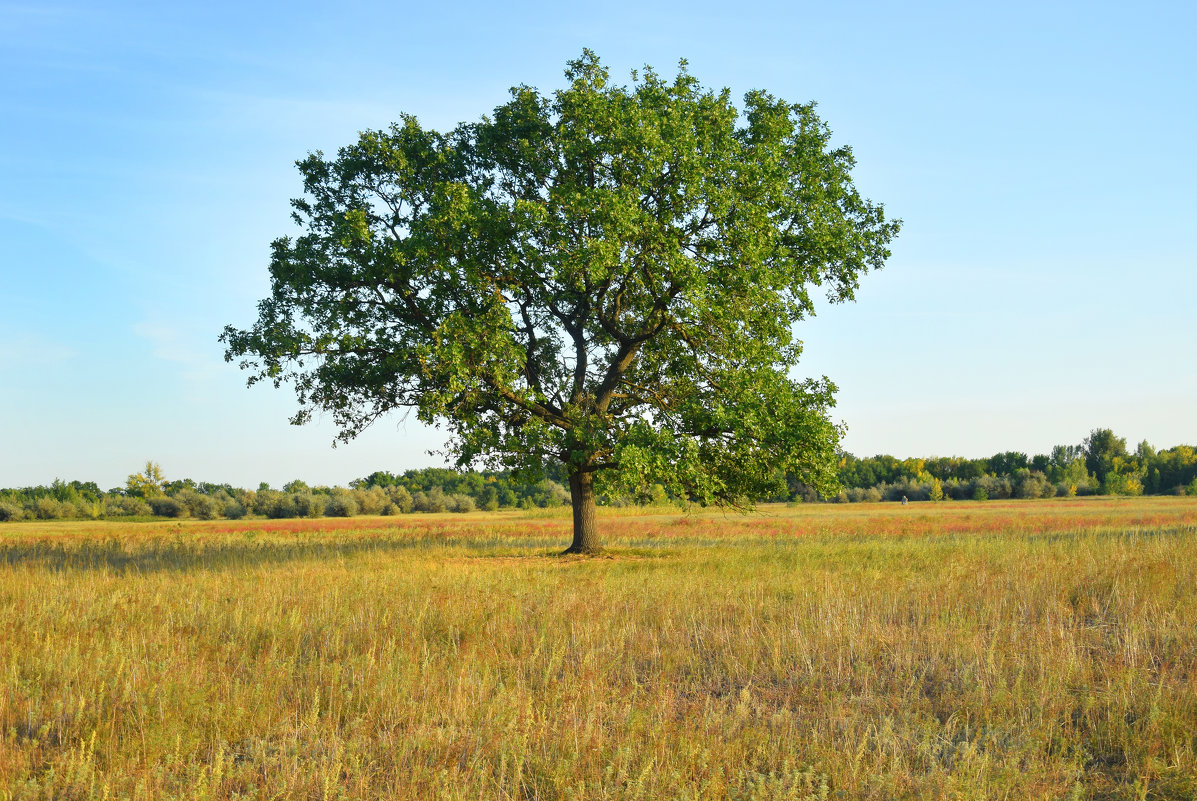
x=1016 y=650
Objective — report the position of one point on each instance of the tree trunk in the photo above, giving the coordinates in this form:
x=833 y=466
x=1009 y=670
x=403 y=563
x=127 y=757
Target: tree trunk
x=581 y=490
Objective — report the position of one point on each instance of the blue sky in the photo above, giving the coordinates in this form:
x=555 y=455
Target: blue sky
x=1041 y=156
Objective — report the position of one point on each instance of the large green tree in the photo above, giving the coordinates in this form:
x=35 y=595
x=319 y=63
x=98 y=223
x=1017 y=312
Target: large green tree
x=607 y=276
x=1103 y=450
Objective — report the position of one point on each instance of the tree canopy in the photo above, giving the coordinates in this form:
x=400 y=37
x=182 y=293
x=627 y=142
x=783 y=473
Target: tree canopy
x=607 y=276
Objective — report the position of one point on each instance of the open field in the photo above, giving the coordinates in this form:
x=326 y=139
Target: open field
x=1015 y=650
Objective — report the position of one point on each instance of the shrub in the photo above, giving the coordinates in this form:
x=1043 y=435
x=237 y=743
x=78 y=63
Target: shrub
x=1122 y=484
x=284 y=506
x=980 y=494
x=371 y=501
x=278 y=505
x=910 y=489
x=1032 y=484
x=434 y=501
x=461 y=503
x=126 y=506
x=9 y=512
x=198 y=505
x=994 y=487
x=401 y=498
x=551 y=494
x=340 y=503
x=263 y=500
x=307 y=504
x=166 y=506
x=51 y=509
x=234 y=510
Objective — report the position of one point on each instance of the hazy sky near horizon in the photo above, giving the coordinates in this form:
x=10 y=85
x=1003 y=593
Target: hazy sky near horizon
x=1040 y=155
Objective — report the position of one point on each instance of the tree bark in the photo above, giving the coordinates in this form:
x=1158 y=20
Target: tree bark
x=581 y=490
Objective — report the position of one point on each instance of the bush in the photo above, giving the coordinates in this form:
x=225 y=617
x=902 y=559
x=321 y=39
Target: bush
x=401 y=498
x=371 y=501
x=549 y=494
x=10 y=511
x=263 y=500
x=278 y=505
x=340 y=503
x=432 y=501
x=126 y=506
x=198 y=505
x=51 y=509
x=994 y=487
x=910 y=489
x=1032 y=484
x=1122 y=484
x=307 y=504
x=234 y=510
x=166 y=506
x=461 y=503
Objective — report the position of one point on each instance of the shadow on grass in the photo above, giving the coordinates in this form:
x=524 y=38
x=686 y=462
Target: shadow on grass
x=179 y=555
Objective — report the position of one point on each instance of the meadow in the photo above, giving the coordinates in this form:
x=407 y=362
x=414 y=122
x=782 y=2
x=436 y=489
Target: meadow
x=1019 y=649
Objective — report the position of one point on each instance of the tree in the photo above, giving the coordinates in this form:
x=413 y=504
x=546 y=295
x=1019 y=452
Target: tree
x=147 y=484
x=606 y=276
x=1102 y=448
x=1006 y=464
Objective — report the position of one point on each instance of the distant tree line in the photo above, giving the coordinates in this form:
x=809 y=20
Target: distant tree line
x=1101 y=464
x=150 y=494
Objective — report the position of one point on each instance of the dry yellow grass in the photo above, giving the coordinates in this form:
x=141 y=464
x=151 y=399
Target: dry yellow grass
x=1018 y=650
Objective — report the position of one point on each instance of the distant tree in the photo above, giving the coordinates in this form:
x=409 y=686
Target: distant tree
x=606 y=277
x=341 y=503
x=198 y=505
x=179 y=484
x=1102 y=447
x=147 y=484
x=936 y=491
x=164 y=506
x=400 y=498
x=1008 y=463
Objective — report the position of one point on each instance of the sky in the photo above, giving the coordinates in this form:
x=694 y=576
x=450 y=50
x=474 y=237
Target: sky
x=1040 y=155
